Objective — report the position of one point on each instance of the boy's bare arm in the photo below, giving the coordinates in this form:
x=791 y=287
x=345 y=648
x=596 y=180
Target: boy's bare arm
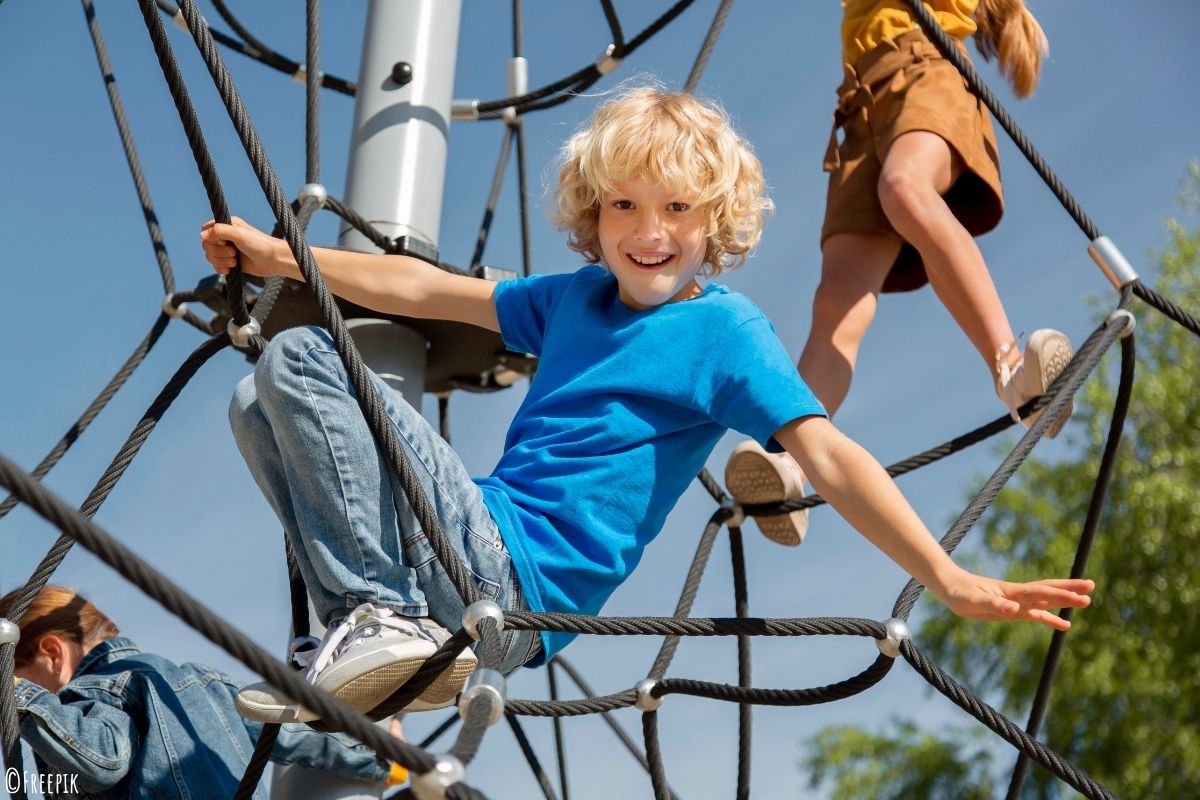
x=862 y=492
x=389 y=284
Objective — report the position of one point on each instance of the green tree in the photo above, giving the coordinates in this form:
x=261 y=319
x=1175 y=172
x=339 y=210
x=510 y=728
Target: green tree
x=1124 y=704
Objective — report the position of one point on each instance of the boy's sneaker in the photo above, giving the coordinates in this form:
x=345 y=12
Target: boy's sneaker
x=755 y=476
x=1046 y=355
x=362 y=661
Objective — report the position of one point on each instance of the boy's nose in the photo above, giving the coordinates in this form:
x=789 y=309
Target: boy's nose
x=649 y=226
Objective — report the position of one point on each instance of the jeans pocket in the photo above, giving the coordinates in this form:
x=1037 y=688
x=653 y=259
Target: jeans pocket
x=432 y=576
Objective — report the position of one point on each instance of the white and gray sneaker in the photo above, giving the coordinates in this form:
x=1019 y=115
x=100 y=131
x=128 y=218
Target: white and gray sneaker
x=362 y=661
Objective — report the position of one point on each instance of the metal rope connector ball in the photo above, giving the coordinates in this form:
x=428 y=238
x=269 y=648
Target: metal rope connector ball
x=484 y=681
x=314 y=191
x=646 y=701
x=1122 y=313
x=479 y=611
x=737 y=516
x=897 y=632
x=432 y=785
x=9 y=632
x=241 y=335
x=171 y=309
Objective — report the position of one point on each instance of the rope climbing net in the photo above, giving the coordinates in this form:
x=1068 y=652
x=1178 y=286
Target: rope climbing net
x=485 y=700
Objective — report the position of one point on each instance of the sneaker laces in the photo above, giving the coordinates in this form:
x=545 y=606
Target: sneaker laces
x=364 y=622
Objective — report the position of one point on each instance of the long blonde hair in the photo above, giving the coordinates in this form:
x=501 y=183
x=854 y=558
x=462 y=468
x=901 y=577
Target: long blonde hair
x=62 y=612
x=1006 y=31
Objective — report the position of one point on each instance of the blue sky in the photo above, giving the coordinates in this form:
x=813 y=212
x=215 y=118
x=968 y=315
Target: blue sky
x=1114 y=115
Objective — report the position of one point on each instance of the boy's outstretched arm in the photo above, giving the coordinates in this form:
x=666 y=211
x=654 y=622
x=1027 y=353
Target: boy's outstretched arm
x=862 y=492
x=389 y=284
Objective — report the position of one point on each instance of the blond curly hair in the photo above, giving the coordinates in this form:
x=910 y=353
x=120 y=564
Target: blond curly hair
x=645 y=132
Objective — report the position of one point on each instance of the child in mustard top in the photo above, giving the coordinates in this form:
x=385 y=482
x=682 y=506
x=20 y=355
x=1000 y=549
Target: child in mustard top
x=913 y=181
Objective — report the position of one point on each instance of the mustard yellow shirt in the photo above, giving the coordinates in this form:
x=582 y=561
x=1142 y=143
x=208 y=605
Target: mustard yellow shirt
x=865 y=23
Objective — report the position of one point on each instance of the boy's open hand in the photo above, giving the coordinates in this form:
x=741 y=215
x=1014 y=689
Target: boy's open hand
x=978 y=597
x=222 y=243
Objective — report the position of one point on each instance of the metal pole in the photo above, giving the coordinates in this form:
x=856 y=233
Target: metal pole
x=395 y=177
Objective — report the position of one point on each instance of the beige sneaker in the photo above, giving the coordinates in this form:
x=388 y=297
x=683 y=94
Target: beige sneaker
x=755 y=476
x=1046 y=355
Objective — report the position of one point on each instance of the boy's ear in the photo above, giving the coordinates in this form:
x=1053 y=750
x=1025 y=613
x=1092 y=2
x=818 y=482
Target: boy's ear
x=52 y=647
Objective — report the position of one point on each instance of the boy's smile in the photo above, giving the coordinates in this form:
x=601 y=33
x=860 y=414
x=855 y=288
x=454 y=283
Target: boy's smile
x=653 y=239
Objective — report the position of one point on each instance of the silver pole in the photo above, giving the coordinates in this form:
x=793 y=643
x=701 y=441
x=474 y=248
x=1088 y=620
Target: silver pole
x=395 y=177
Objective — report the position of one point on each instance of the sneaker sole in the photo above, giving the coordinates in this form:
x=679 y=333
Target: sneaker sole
x=1059 y=347
x=448 y=684
x=273 y=712
x=753 y=479
x=371 y=688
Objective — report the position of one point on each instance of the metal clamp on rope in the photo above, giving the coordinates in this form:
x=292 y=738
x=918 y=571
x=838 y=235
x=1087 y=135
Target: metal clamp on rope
x=488 y=682
x=242 y=334
x=432 y=785
x=518 y=84
x=737 y=516
x=313 y=191
x=607 y=62
x=646 y=701
x=477 y=612
x=174 y=311
x=1122 y=313
x=301 y=75
x=1112 y=262
x=897 y=632
x=9 y=632
x=464 y=110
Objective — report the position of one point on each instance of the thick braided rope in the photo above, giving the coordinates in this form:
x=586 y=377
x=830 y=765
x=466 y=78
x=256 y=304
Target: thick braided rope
x=368 y=396
x=993 y=719
x=261 y=53
x=85 y=419
x=1060 y=392
x=658 y=772
x=159 y=588
x=687 y=597
x=200 y=152
x=741 y=607
x=535 y=765
x=586 y=75
x=778 y=697
x=312 y=94
x=614 y=23
x=710 y=42
x=607 y=717
x=946 y=46
x=693 y=626
x=258 y=762
x=131 y=156
x=556 y=726
x=523 y=198
x=489 y=209
x=1091 y=525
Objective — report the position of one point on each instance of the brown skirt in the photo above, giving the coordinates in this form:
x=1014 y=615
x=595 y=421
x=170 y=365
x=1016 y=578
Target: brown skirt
x=899 y=86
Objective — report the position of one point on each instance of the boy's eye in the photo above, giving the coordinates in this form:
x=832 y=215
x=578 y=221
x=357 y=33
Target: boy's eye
x=622 y=204
x=678 y=205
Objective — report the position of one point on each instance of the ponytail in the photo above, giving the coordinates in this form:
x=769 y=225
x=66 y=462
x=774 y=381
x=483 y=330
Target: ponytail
x=1006 y=31
x=62 y=612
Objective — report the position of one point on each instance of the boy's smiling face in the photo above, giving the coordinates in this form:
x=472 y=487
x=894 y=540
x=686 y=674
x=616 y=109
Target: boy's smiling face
x=653 y=239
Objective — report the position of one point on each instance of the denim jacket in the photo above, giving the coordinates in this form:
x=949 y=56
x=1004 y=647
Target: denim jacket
x=134 y=725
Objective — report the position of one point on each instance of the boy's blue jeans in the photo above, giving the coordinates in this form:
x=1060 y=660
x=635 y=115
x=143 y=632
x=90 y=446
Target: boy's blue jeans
x=298 y=424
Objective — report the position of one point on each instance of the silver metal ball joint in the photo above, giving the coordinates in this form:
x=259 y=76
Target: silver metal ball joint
x=897 y=632
x=9 y=632
x=314 y=191
x=479 y=611
x=489 y=682
x=1118 y=314
x=242 y=334
x=432 y=785
x=645 y=700
x=171 y=310
x=737 y=516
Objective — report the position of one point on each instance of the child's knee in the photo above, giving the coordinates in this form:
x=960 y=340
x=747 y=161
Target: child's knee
x=288 y=349
x=244 y=397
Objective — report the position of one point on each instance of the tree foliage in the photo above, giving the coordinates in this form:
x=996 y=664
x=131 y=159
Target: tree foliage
x=1123 y=706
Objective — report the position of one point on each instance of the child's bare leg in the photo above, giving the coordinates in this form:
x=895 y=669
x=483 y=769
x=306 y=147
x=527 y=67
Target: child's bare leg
x=853 y=269
x=918 y=170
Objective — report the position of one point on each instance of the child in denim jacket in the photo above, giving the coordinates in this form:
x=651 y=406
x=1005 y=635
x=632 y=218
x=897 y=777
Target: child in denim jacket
x=641 y=371
x=106 y=720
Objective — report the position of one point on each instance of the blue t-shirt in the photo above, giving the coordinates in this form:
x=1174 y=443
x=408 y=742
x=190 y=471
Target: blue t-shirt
x=624 y=410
